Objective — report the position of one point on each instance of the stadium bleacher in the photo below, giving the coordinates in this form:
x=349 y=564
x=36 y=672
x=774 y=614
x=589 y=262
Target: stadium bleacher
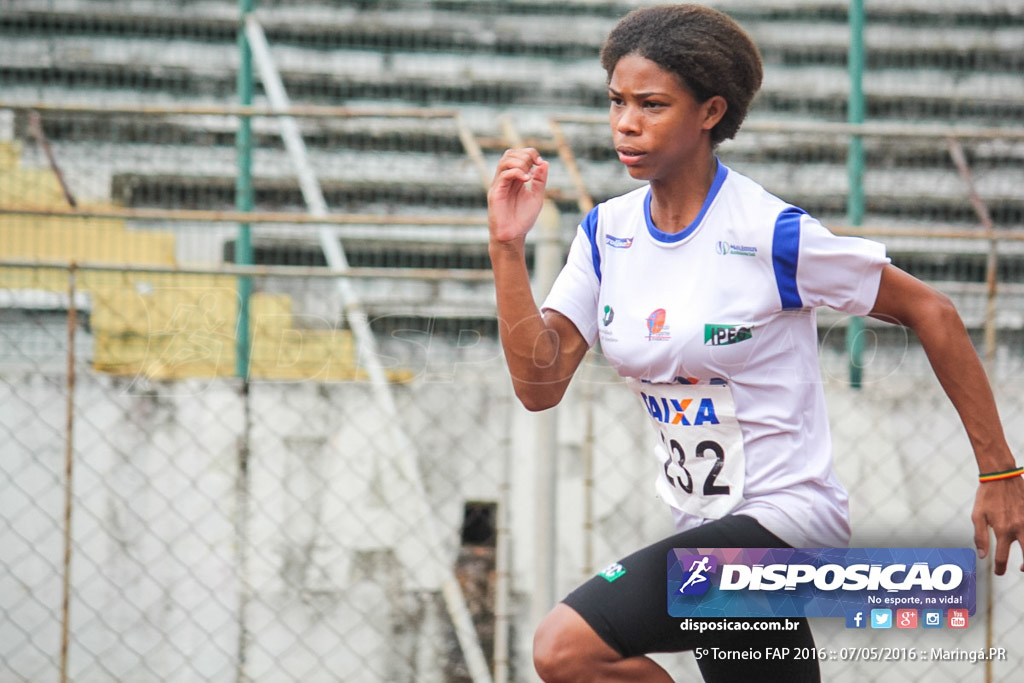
x=947 y=62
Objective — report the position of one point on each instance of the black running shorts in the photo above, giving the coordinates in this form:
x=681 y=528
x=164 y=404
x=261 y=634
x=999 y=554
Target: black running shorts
x=631 y=615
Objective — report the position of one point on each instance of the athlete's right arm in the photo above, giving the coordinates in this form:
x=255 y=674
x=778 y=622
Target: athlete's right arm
x=542 y=350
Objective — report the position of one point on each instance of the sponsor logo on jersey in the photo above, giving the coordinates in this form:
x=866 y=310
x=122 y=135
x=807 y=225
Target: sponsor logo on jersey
x=612 y=572
x=729 y=249
x=722 y=335
x=609 y=316
x=618 y=242
x=656 y=328
x=672 y=411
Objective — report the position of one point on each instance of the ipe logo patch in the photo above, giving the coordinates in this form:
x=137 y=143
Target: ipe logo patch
x=697 y=579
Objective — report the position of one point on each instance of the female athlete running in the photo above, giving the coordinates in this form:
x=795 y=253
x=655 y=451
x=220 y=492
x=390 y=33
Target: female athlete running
x=701 y=288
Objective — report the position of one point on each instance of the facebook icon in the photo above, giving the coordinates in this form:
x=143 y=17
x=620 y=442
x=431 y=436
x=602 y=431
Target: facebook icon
x=856 y=619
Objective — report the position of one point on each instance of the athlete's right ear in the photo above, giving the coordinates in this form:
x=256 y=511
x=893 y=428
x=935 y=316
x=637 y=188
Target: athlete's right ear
x=714 y=109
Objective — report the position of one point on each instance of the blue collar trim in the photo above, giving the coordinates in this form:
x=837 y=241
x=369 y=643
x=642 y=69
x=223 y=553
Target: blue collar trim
x=673 y=237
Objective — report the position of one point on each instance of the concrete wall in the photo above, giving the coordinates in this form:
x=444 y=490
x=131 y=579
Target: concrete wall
x=319 y=562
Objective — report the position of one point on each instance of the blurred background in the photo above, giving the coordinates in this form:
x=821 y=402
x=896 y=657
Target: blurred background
x=255 y=424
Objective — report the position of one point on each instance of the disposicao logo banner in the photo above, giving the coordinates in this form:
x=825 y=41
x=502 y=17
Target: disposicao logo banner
x=817 y=582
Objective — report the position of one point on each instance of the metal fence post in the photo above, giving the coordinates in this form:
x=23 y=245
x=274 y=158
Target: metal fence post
x=855 y=170
x=69 y=459
x=244 y=202
x=244 y=189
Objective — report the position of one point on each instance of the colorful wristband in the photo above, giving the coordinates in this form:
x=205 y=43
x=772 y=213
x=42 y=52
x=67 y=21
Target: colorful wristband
x=1005 y=474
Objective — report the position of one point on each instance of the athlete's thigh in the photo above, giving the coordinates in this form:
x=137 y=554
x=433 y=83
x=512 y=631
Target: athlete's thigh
x=627 y=606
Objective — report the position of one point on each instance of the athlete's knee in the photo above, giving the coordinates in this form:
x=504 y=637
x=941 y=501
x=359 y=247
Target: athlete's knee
x=566 y=649
x=554 y=653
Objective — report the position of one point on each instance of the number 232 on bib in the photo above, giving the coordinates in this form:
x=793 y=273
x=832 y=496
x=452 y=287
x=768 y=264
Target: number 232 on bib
x=701 y=446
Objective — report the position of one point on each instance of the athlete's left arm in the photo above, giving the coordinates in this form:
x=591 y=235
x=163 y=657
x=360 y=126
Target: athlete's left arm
x=906 y=300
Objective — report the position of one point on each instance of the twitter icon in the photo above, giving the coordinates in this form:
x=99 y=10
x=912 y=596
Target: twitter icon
x=881 y=618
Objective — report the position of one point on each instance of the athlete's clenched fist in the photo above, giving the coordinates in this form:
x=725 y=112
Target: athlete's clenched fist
x=516 y=195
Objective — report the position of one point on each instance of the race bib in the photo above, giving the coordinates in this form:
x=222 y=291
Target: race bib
x=701 y=446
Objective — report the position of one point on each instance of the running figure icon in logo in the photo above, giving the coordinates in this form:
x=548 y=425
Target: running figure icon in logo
x=697 y=582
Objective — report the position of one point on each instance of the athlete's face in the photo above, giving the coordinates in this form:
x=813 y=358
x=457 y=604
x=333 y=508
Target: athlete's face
x=658 y=127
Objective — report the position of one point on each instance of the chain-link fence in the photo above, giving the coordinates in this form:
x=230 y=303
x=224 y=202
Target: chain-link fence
x=303 y=525
x=277 y=531
x=352 y=492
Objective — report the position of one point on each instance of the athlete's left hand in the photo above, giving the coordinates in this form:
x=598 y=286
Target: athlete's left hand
x=1000 y=505
x=904 y=299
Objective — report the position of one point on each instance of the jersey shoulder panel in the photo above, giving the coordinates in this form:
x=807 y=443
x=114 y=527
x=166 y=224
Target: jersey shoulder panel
x=618 y=213
x=762 y=218
x=612 y=223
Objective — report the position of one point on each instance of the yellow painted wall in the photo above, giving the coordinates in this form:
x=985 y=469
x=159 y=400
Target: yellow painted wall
x=160 y=325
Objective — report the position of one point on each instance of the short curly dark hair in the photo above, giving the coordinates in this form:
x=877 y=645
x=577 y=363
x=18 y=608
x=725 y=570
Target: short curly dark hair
x=707 y=50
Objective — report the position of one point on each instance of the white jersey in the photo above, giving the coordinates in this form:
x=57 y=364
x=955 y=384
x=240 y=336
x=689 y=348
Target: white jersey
x=727 y=301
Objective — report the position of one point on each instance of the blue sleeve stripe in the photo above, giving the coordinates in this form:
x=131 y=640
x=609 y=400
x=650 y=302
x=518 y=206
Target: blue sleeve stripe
x=785 y=255
x=589 y=226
